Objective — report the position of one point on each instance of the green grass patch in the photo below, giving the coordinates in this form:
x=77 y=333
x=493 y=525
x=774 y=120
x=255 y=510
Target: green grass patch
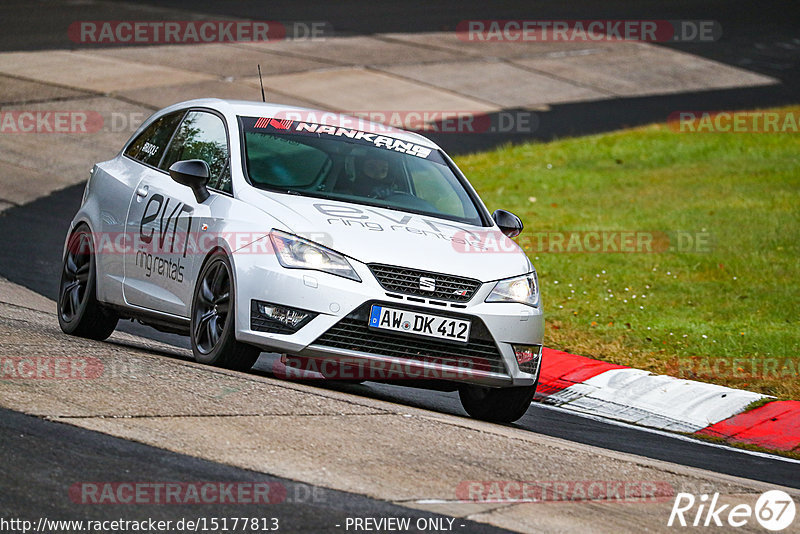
x=723 y=311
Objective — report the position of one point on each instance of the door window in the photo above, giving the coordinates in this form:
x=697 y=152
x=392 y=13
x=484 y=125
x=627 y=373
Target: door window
x=149 y=146
x=202 y=135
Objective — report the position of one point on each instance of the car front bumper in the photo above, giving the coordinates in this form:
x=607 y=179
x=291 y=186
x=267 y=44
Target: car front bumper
x=339 y=330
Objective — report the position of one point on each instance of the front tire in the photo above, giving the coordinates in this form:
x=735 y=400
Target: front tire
x=79 y=312
x=213 y=325
x=498 y=405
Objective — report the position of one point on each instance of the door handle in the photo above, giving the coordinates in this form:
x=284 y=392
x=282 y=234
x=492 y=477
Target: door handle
x=142 y=191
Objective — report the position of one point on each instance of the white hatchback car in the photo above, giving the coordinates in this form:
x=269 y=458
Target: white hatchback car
x=255 y=227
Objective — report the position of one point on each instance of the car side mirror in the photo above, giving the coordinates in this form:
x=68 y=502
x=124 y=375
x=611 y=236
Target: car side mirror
x=193 y=173
x=509 y=223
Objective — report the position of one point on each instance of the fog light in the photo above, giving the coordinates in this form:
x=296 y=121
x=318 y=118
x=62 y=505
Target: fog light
x=266 y=317
x=288 y=316
x=526 y=353
x=528 y=357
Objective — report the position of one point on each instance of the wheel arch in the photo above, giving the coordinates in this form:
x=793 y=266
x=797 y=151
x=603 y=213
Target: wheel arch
x=73 y=227
x=219 y=246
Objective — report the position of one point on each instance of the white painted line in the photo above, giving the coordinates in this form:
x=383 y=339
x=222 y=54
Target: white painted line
x=569 y=394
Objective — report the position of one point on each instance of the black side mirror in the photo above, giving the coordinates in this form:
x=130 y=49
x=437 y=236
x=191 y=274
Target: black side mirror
x=509 y=223
x=193 y=173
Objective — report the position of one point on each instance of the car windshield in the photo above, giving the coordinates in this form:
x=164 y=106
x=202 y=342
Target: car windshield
x=353 y=166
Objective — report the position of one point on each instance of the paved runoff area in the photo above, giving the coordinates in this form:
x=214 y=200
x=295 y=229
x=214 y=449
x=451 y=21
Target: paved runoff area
x=463 y=469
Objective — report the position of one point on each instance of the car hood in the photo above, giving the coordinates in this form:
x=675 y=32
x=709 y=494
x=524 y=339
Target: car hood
x=378 y=235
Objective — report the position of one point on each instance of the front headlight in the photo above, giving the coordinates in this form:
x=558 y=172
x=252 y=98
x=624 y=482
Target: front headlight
x=297 y=253
x=523 y=289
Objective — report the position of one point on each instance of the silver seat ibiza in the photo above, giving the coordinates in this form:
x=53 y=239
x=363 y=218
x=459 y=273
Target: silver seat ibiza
x=353 y=249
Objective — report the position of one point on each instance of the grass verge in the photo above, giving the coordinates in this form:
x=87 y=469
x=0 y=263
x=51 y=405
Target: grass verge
x=715 y=297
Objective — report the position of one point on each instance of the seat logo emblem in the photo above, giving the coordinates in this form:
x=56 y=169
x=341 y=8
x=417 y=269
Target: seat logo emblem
x=427 y=284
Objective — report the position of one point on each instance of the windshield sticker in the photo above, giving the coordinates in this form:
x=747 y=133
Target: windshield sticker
x=318 y=130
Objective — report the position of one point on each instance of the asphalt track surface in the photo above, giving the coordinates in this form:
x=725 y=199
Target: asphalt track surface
x=40 y=457
x=44 y=459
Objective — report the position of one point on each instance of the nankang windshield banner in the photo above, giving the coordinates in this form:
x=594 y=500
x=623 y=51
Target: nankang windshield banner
x=346 y=131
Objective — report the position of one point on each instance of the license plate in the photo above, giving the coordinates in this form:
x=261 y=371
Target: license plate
x=421 y=324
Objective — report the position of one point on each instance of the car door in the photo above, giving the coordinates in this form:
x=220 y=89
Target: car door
x=165 y=218
x=114 y=182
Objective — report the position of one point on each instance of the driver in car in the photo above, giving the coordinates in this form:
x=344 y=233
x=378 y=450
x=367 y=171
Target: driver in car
x=372 y=177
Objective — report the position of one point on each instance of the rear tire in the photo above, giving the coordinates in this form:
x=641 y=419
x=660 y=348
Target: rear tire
x=498 y=405
x=79 y=312
x=213 y=324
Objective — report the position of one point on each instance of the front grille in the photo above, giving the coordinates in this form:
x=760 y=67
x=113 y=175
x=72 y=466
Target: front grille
x=352 y=333
x=447 y=287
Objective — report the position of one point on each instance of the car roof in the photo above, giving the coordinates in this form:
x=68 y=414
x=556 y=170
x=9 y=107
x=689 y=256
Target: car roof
x=265 y=109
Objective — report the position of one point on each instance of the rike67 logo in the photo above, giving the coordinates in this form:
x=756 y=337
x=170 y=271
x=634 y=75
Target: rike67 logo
x=774 y=510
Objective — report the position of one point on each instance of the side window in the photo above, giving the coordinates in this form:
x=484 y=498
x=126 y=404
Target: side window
x=151 y=143
x=202 y=135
